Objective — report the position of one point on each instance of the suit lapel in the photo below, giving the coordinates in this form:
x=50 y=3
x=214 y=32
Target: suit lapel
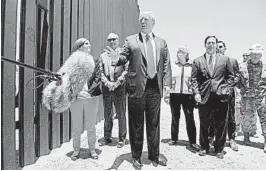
x=157 y=47
x=141 y=44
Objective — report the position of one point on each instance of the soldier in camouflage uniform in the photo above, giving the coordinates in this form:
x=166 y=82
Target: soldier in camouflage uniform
x=253 y=74
x=238 y=117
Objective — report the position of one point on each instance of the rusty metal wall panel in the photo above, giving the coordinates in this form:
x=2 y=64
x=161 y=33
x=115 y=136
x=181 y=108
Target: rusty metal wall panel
x=26 y=103
x=8 y=50
x=87 y=19
x=55 y=55
x=74 y=21
x=95 y=27
x=41 y=117
x=80 y=18
x=66 y=52
x=118 y=16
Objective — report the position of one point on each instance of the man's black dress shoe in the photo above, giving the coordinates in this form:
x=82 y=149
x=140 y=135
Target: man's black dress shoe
x=105 y=142
x=136 y=164
x=195 y=147
x=160 y=161
x=220 y=155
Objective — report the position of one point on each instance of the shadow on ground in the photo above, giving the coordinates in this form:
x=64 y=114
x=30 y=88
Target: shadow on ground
x=128 y=157
x=251 y=144
x=183 y=143
x=84 y=153
x=114 y=141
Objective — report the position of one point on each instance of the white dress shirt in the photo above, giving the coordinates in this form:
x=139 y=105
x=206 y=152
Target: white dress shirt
x=153 y=45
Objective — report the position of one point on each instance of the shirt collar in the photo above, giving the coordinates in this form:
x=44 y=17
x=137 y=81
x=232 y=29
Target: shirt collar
x=188 y=63
x=208 y=55
x=144 y=35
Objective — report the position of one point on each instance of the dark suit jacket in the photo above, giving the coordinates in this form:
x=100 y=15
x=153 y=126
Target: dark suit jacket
x=134 y=52
x=204 y=83
x=235 y=66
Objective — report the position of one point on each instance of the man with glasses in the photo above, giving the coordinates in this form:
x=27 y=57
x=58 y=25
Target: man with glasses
x=114 y=91
x=231 y=125
x=246 y=56
x=211 y=77
x=253 y=73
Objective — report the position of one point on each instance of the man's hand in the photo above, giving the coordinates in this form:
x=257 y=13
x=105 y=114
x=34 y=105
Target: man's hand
x=117 y=83
x=166 y=89
x=112 y=53
x=110 y=85
x=236 y=79
x=166 y=94
x=198 y=98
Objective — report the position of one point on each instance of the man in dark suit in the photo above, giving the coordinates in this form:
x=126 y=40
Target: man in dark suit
x=211 y=76
x=149 y=76
x=231 y=124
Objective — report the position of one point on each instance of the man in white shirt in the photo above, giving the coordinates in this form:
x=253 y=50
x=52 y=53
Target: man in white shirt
x=149 y=75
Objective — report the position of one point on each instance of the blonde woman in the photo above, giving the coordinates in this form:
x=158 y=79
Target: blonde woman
x=181 y=94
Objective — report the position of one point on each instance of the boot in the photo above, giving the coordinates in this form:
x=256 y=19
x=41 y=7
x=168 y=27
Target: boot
x=254 y=135
x=246 y=137
x=233 y=145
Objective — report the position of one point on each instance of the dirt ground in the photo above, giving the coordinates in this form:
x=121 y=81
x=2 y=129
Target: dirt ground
x=179 y=156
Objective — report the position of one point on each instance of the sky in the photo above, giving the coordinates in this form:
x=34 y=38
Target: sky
x=239 y=23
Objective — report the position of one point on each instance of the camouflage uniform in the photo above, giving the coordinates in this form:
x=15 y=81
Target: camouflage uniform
x=238 y=117
x=262 y=108
x=251 y=99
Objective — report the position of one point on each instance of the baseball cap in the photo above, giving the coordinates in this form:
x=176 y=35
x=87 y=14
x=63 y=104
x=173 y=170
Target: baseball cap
x=112 y=36
x=246 y=54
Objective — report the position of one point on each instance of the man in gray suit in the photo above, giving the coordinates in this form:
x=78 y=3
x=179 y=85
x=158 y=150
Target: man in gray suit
x=231 y=123
x=149 y=76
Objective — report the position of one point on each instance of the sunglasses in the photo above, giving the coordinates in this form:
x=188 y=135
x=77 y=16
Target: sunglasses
x=220 y=47
x=114 y=39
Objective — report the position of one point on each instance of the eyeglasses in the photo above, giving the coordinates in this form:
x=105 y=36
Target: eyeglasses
x=220 y=47
x=114 y=39
x=181 y=51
